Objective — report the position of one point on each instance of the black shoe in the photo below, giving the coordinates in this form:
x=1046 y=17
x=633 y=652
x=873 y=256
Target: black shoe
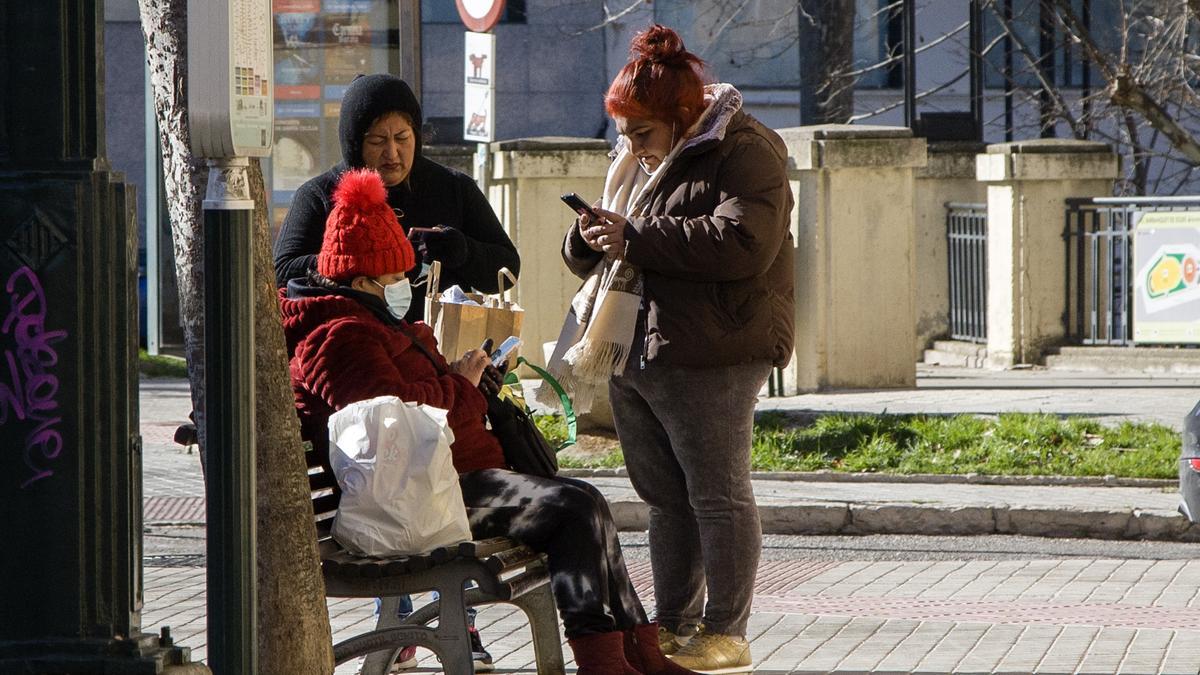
x=481 y=657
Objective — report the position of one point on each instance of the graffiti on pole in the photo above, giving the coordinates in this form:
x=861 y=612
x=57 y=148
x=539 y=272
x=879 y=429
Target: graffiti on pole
x=28 y=388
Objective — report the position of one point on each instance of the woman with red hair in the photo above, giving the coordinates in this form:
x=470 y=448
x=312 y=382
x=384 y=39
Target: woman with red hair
x=685 y=308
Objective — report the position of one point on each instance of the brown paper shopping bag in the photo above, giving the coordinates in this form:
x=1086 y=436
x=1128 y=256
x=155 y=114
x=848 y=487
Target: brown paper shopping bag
x=460 y=328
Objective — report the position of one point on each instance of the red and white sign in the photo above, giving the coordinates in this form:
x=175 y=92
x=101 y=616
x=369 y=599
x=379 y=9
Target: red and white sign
x=480 y=15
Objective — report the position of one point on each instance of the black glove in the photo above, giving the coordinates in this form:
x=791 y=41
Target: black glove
x=446 y=244
x=491 y=381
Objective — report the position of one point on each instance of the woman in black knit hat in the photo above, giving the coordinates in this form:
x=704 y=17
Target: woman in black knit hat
x=445 y=214
x=380 y=128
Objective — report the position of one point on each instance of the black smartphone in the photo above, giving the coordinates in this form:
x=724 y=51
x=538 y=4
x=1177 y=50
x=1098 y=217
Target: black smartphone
x=576 y=204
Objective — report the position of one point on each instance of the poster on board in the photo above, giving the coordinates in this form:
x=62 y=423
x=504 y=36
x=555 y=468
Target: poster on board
x=479 y=87
x=1166 y=282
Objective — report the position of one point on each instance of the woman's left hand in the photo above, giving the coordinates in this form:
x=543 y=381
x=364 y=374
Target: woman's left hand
x=607 y=234
x=491 y=380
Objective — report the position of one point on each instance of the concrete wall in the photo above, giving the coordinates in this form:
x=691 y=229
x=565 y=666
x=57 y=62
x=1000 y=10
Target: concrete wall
x=948 y=177
x=528 y=176
x=854 y=256
x=1027 y=183
x=124 y=97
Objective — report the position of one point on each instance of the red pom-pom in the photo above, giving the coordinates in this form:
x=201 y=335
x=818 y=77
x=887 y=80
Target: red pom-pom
x=361 y=190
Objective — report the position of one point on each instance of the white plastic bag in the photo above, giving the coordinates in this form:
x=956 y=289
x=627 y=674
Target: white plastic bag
x=400 y=493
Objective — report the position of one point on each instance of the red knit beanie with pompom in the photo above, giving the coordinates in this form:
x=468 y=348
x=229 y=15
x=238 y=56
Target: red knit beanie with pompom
x=362 y=235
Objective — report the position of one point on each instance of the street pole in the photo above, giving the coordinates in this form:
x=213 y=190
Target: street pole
x=230 y=117
x=229 y=417
x=70 y=450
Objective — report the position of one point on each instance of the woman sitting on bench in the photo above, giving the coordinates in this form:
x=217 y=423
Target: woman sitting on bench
x=348 y=343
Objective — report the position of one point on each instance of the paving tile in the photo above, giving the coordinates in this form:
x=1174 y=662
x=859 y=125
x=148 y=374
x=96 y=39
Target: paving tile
x=1107 y=650
x=912 y=650
x=876 y=648
x=950 y=650
x=1029 y=649
x=849 y=638
x=1183 y=654
x=1146 y=652
x=995 y=643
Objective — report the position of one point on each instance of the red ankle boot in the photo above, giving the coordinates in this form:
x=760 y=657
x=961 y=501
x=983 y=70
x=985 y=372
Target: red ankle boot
x=601 y=654
x=643 y=652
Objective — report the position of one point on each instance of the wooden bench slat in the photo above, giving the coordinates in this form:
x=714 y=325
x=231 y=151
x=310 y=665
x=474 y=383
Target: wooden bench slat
x=485 y=547
x=326 y=503
x=513 y=557
x=321 y=481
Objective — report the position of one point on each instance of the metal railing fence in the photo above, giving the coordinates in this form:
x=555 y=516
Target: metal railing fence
x=1099 y=271
x=966 y=248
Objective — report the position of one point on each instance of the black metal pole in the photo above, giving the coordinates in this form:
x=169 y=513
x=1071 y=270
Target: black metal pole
x=229 y=417
x=909 y=8
x=976 y=65
x=1008 y=71
x=1046 y=66
x=1086 y=62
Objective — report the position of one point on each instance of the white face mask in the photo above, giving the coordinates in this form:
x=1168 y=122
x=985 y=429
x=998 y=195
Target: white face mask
x=398 y=297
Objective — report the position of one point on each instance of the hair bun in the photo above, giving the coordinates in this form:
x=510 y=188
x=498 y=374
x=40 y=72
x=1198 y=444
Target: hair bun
x=659 y=44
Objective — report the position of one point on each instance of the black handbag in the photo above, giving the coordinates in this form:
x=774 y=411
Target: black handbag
x=526 y=450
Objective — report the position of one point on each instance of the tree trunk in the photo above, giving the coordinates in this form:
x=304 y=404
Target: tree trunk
x=164 y=27
x=827 y=54
x=293 y=622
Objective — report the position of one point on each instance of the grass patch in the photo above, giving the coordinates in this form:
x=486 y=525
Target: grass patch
x=1009 y=445
x=161 y=366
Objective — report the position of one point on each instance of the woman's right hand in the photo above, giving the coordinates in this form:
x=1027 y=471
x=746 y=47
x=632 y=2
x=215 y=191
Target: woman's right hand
x=586 y=225
x=471 y=365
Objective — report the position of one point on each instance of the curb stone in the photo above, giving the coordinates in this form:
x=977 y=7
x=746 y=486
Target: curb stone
x=831 y=518
x=926 y=478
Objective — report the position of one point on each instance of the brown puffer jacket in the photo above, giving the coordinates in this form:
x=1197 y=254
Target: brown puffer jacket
x=715 y=247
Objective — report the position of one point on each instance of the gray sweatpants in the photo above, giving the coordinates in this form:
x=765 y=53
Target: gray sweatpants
x=686 y=436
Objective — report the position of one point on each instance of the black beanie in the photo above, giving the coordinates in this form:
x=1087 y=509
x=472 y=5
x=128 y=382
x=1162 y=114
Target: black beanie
x=368 y=98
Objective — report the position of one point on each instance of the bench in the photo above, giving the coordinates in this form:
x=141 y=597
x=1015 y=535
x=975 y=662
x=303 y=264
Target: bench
x=502 y=571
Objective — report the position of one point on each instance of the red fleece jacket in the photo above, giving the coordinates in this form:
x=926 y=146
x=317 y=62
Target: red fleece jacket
x=342 y=353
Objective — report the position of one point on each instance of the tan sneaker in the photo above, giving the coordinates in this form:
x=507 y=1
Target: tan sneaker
x=714 y=654
x=668 y=642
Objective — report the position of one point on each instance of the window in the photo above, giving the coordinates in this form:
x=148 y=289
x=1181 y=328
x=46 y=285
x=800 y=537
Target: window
x=320 y=46
x=1064 y=62
x=878 y=35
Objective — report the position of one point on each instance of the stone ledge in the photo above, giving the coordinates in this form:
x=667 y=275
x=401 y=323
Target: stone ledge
x=1164 y=360
x=547 y=143
x=832 y=518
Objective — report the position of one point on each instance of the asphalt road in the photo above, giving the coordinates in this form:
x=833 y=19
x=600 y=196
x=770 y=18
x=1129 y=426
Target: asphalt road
x=185 y=545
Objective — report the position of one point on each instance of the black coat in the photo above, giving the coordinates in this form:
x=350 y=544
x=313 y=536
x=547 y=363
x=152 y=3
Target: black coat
x=433 y=195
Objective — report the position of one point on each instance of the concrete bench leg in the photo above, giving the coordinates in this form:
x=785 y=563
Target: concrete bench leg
x=539 y=607
x=378 y=663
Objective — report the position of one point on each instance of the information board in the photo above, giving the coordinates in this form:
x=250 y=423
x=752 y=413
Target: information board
x=230 y=77
x=320 y=47
x=479 y=87
x=1166 y=296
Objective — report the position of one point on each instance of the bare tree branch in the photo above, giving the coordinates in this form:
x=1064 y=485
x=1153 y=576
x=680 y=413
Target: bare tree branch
x=1125 y=91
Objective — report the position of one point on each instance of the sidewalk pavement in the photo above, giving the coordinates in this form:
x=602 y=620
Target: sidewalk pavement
x=1009 y=616
x=842 y=504
x=815 y=616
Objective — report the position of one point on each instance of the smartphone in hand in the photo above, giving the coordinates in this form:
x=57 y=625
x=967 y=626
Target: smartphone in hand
x=576 y=204
x=505 y=350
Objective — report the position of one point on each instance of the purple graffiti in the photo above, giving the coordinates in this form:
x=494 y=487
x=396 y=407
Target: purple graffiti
x=29 y=392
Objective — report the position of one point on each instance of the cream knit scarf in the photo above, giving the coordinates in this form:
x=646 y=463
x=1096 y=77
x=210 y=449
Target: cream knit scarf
x=597 y=337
